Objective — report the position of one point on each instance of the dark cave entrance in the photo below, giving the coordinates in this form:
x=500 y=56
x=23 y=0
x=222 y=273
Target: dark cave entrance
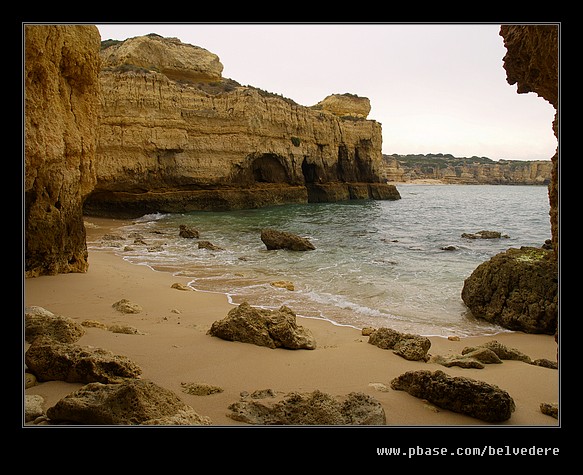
x=267 y=168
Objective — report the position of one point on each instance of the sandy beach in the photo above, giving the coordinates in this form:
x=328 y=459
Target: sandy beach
x=174 y=348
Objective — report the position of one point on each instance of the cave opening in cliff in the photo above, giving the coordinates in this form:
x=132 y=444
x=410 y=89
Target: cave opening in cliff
x=310 y=172
x=267 y=168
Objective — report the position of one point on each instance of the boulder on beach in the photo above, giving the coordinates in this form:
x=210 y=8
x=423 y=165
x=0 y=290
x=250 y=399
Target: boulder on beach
x=263 y=327
x=474 y=398
x=41 y=322
x=131 y=402
x=315 y=408
x=516 y=289
x=50 y=360
x=409 y=346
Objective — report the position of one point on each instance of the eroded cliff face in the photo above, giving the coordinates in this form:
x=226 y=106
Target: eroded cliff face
x=61 y=116
x=466 y=172
x=204 y=142
x=532 y=63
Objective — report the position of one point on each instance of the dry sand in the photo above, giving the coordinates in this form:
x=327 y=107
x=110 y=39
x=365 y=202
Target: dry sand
x=175 y=348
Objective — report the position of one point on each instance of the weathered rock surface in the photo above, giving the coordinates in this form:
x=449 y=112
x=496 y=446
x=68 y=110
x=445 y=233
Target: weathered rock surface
x=532 y=63
x=316 y=408
x=176 y=60
x=501 y=351
x=131 y=402
x=262 y=327
x=33 y=407
x=126 y=306
x=466 y=171
x=61 y=65
x=186 y=232
x=345 y=105
x=274 y=239
x=50 y=360
x=516 y=289
x=41 y=322
x=409 y=346
x=459 y=394
x=179 y=145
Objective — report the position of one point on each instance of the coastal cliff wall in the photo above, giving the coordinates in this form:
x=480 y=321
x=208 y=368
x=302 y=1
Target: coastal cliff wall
x=467 y=171
x=175 y=136
x=532 y=63
x=61 y=115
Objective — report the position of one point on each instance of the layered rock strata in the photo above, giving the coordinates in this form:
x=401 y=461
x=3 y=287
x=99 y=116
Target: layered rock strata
x=532 y=63
x=466 y=171
x=174 y=142
x=61 y=68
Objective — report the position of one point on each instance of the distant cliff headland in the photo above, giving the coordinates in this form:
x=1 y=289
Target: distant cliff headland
x=445 y=168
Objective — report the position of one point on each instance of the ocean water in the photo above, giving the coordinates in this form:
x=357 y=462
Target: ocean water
x=376 y=263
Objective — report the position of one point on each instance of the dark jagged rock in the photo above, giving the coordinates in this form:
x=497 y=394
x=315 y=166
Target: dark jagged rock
x=459 y=394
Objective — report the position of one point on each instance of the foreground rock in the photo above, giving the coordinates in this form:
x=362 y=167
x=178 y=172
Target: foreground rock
x=316 y=408
x=459 y=394
x=50 y=360
x=271 y=328
x=41 y=322
x=409 y=346
x=281 y=240
x=516 y=289
x=132 y=402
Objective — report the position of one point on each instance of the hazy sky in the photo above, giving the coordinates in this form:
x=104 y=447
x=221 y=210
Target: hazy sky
x=435 y=88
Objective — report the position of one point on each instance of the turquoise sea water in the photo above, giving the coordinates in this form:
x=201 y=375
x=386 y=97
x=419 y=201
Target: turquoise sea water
x=376 y=263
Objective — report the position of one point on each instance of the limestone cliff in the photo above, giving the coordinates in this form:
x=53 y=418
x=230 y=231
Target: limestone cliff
x=173 y=142
x=466 y=171
x=532 y=63
x=61 y=115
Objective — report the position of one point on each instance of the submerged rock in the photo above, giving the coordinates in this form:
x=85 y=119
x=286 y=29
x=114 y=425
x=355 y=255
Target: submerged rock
x=262 y=327
x=459 y=394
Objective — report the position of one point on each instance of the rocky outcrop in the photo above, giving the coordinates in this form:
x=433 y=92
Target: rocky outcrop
x=477 y=399
x=262 y=327
x=532 y=63
x=466 y=171
x=274 y=239
x=39 y=322
x=172 y=142
x=345 y=105
x=516 y=289
x=316 y=408
x=61 y=68
x=50 y=360
x=131 y=402
x=409 y=346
